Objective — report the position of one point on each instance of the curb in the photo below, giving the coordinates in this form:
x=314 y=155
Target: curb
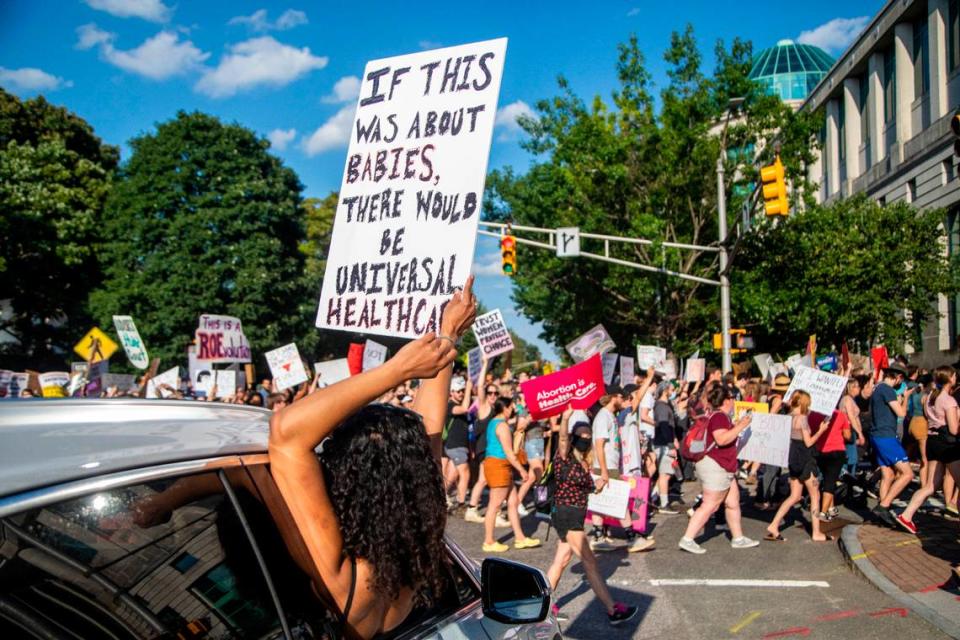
x=853 y=554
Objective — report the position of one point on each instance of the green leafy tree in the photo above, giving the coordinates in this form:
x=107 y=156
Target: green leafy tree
x=202 y=219
x=54 y=176
x=627 y=169
x=854 y=271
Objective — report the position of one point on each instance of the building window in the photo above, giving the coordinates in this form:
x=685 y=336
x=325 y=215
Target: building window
x=882 y=201
x=947 y=170
x=921 y=59
x=889 y=86
x=841 y=131
x=912 y=190
x=953 y=33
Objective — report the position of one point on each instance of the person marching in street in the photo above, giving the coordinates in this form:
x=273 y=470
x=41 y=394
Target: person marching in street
x=803 y=469
x=849 y=407
x=886 y=407
x=665 y=444
x=717 y=473
x=487 y=394
x=534 y=447
x=456 y=444
x=766 y=498
x=571 y=467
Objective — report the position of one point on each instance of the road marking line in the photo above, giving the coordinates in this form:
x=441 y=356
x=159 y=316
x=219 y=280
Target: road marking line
x=745 y=621
x=840 y=615
x=906 y=542
x=795 y=631
x=703 y=582
x=861 y=556
x=886 y=612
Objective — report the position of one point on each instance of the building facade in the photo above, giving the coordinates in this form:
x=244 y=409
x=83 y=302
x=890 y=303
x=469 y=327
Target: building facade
x=888 y=101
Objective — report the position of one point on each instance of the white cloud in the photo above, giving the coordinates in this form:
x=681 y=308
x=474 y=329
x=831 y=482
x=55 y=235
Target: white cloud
x=332 y=134
x=346 y=89
x=280 y=138
x=259 y=23
x=836 y=35
x=489 y=264
x=507 y=117
x=255 y=62
x=152 y=10
x=633 y=12
x=158 y=58
x=27 y=79
x=429 y=44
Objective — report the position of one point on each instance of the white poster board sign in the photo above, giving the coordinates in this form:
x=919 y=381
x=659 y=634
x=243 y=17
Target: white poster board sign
x=286 y=366
x=474 y=364
x=764 y=362
x=794 y=361
x=612 y=501
x=54 y=383
x=696 y=369
x=668 y=368
x=374 y=355
x=824 y=388
x=6 y=377
x=226 y=383
x=169 y=377
x=597 y=340
x=609 y=362
x=410 y=200
x=626 y=370
x=650 y=356
x=131 y=341
x=766 y=440
x=331 y=371
x=492 y=335
x=220 y=339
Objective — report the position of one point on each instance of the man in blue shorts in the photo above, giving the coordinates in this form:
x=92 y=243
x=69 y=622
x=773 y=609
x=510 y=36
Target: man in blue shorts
x=886 y=407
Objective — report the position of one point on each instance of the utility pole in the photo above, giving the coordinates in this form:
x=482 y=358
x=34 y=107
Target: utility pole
x=724 y=279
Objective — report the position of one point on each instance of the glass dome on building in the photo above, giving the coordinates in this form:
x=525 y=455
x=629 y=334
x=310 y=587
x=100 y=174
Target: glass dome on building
x=790 y=70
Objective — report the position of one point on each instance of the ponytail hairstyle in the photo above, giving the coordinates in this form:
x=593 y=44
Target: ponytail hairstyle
x=800 y=400
x=502 y=404
x=941 y=378
x=717 y=395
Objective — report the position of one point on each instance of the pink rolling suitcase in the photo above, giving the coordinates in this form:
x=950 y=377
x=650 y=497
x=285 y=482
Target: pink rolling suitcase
x=637 y=507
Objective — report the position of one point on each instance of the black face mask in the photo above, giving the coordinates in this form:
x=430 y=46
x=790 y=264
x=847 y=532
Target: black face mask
x=582 y=444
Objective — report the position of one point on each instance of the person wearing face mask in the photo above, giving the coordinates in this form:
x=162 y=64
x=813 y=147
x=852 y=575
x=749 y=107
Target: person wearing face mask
x=665 y=443
x=571 y=467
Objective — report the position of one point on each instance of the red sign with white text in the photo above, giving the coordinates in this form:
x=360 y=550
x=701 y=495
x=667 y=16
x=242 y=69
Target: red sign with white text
x=580 y=386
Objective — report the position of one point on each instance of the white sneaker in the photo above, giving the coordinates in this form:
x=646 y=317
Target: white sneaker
x=744 y=542
x=601 y=544
x=523 y=511
x=472 y=515
x=501 y=522
x=691 y=546
x=640 y=543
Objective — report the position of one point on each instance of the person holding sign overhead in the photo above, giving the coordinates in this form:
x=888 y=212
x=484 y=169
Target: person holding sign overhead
x=370 y=506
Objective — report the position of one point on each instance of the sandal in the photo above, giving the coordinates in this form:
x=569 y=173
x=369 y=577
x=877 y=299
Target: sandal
x=774 y=538
x=829 y=539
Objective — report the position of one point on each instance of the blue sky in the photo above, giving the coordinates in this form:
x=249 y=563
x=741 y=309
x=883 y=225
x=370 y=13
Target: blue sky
x=289 y=70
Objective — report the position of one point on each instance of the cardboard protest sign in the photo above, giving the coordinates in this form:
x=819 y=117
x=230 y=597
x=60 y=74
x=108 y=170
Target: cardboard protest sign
x=880 y=359
x=331 y=371
x=650 y=356
x=131 y=341
x=286 y=366
x=227 y=382
x=794 y=361
x=766 y=440
x=94 y=376
x=54 y=384
x=170 y=377
x=778 y=368
x=764 y=361
x=492 y=335
x=597 y=340
x=122 y=381
x=20 y=382
x=609 y=364
x=374 y=355
x=474 y=364
x=626 y=370
x=824 y=388
x=696 y=369
x=105 y=347
x=669 y=369
x=580 y=386
x=612 y=501
x=740 y=408
x=220 y=339
x=406 y=223
x=6 y=378
x=827 y=362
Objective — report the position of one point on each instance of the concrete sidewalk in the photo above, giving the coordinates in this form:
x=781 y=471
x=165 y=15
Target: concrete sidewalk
x=919 y=572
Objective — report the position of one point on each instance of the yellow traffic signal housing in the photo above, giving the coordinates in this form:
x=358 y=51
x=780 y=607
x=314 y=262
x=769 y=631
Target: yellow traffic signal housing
x=774 y=189
x=739 y=341
x=508 y=248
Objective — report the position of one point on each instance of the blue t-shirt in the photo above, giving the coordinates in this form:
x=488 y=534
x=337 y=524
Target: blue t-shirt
x=494 y=447
x=884 y=419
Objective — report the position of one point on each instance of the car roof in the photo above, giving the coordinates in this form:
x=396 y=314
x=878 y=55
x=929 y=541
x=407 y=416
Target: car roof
x=47 y=442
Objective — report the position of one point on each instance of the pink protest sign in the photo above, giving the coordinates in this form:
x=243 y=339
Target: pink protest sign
x=580 y=386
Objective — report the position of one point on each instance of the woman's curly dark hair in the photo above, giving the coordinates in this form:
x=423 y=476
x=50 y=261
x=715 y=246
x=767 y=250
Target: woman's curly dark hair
x=387 y=492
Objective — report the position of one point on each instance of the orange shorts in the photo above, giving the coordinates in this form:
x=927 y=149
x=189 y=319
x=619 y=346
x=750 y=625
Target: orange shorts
x=498 y=472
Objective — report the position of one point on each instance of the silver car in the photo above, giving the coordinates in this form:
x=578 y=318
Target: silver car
x=160 y=519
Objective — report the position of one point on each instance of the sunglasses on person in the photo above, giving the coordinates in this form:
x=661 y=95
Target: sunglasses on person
x=493 y=392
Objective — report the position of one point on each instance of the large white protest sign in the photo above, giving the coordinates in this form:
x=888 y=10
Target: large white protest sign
x=597 y=340
x=612 y=500
x=626 y=370
x=492 y=335
x=226 y=382
x=474 y=364
x=221 y=339
x=374 y=355
x=410 y=200
x=766 y=440
x=122 y=381
x=609 y=363
x=824 y=388
x=650 y=356
x=169 y=378
x=764 y=362
x=131 y=341
x=331 y=371
x=696 y=369
x=286 y=367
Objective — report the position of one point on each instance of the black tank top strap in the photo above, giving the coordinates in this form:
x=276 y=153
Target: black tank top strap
x=349 y=603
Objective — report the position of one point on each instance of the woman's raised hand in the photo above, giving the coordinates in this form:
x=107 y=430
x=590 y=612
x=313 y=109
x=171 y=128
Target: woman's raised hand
x=460 y=312
x=425 y=357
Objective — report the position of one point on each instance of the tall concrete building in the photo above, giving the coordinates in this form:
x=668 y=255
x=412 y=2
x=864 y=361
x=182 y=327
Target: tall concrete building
x=888 y=101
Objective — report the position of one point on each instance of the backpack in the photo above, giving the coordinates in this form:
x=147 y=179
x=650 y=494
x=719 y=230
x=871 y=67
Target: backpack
x=694 y=446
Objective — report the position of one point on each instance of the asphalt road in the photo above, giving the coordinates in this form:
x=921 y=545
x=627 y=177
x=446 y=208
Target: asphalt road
x=848 y=608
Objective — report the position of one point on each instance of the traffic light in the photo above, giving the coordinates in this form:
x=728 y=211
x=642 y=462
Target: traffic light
x=508 y=248
x=740 y=342
x=774 y=189
x=955 y=127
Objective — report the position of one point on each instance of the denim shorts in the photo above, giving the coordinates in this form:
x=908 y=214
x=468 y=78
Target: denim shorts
x=534 y=449
x=457 y=455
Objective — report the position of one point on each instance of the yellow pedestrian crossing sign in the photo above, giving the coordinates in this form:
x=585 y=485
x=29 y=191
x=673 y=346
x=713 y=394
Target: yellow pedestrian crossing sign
x=95 y=339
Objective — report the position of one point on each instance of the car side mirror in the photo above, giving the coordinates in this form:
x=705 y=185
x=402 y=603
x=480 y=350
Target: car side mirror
x=513 y=593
